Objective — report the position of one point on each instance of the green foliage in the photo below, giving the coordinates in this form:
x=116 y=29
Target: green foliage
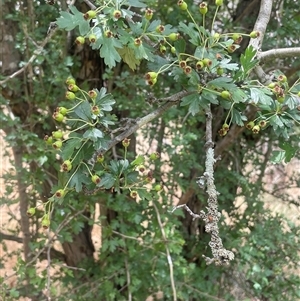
x=132 y=258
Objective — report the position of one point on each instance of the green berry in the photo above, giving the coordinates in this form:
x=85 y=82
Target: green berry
x=148 y=14
x=219 y=2
x=173 y=50
x=60 y=193
x=250 y=125
x=282 y=78
x=207 y=62
x=126 y=142
x=108 y=33
x=70 y=95
x=232 y=48
x=138 y=42
x=225 y=94
x=73 y=88
x=117 y=14
x=272 y=85
x=254 y=34
x=159 y=28
x=199 y=65
x=256 y=129
x=158 y=187
x=203 y=8
x=80 y=40
x=298 y=94
x=57 y=134
x=216 y=36
x=262 y=123
x=152 y=82
x=95 y=110
x=151 y=75
x=92 y=94
x=96 y=179
x=31 y=212
x=133 y=194
x=174 y=36
x=62 y=110
x=225 y=127
x=70 y=81
x=46 y=222
x=182 y=5
x=92 y=38
x=90 y=15
x=154 y=156
x=162 y=49
x=100 y=158
x=220 y=71
x=66 y=166
x=188 y=70
x=58 y=116
x=57 y=144
x=281 y=99
x=182 y=64
x=48 y=140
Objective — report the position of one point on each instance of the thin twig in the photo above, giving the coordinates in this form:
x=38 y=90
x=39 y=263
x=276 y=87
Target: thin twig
x=168 y=253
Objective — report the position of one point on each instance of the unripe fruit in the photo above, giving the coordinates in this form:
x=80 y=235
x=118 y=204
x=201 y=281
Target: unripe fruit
x=66 y=166
x=219 y=2
x=95 y=110
x=235 y=36
x=90 y=15
x=154 y=156
x=162 y=49
x=141 y=168
x=152 y=82
x=216 y=36
x=232 y=48
x=220 y=71
x=30 y=212
x=60 y=193
x=272 y=85
x=188 y=70
x=58 y=116
x=62 y=110
x=160 y=29
x=254 y=34
x=95 y=179
x=70 y=95
x=262 y=123
x=282 y=78
x=298 y=94
x=45 y=222
x=158 y=187
x=199 y=65
x=182 y=5
x=126 y=142
x=138 y=42
x=148 y=14
x=92 y=38
x=108 y=33
x=151 y=75
x=133 y=194
x=57 y=134
x=100 y=158
x=70 y=81
x=203 y=8
x=174 y=36
x=57 y=144
x=225 y=127
x=73 y=88
x=225 y=94
x=256 y=129
x=117 y=14
x=222 y=132
x=80 y=40
x=173 y=50
x=48 y=140
x=280 y=99
x=182 y=64
x=250 y=125
x=207 y=62
x=92 y=94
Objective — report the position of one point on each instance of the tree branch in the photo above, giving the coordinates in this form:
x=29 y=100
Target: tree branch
x=278 y=53
x=139 y=122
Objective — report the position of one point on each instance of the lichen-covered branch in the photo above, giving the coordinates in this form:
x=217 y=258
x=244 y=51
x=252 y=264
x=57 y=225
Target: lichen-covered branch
x=278 y=53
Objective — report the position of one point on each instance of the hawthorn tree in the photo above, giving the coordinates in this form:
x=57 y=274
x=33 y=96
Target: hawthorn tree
x=143 y=120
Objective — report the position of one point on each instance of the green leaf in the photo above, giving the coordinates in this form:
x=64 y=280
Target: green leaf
x=290 y=150
x=192 y=32
x=79 y=178
x=107 y=181
x=192 y=101
x=138 y=160
x=83 y=111
x=237 y=117
x=247 y=62
x=128 y=56
x=109 y=53
x=68 y=148
x=260 y=96
x=277 y=156
x=225 y=83
x=229 y=66
x=93 y=134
